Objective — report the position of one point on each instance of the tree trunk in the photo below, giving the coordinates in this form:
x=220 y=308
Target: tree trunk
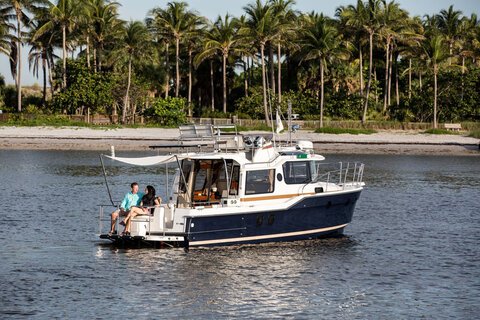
x=397 y=93
x=224 y=82
x=126 y=100
x=463 y=73
x=409 y=79
x=95 y=64
x=44 y=69
x=19 y=62
x=189 y=82
x=321 y=92
x=420 y=80
x=212 y=88
x=435 y=71
x=88 y=52
x=272 y=68
x=177 y=66
x=264 y=84
x=360 y=55
x=364 y=116
x=389 y=102
x=245 y=77
x=99 y=56
x=167 y=66
x=385 y=92
x=64 y=57
x=279 y=72
x=50 y=77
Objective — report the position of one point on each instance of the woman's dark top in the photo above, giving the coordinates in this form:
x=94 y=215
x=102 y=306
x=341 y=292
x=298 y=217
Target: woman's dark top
x=148 y=201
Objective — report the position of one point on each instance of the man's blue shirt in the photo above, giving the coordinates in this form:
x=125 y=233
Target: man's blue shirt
x=131 y=200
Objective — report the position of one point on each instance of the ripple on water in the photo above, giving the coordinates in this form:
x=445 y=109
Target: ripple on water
x=410 y=252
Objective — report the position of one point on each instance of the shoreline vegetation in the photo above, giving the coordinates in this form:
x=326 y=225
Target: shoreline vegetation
x=406 y=142
x=372 y=60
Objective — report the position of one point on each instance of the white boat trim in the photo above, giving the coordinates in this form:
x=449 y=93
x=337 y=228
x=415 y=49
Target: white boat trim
x=269 y=236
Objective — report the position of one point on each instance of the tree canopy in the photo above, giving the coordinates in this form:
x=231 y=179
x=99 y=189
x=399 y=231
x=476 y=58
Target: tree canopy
x=372 y=60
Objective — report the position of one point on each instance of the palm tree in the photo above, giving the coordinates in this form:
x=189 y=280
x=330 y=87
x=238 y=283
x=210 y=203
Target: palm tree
x=352 y=19
x=106 y=27
x=63 y=14
x=41 y=51
x=135 y=41
x=85 y=27
x=435 y=53
x=222 y=39
x=364 y=16
x=449 y=23
x=371 y=26
x=394 y=22
x=410 y=46
x=286 y=29
x=320 y=41
x=175 y=20
x=193 y=39
x=5 y=37
x=155 y=25
x=17 y=10
x=261 y=27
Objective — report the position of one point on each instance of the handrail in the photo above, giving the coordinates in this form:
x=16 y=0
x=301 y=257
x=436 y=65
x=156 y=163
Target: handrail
x=349 y=174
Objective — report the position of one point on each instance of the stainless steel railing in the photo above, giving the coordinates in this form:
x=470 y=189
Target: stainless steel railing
x=343 y=174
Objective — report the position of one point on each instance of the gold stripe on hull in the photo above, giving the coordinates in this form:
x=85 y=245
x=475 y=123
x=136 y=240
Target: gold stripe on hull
x=263 y=237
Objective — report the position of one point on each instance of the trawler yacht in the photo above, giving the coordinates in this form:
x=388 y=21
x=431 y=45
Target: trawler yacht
x=245 y=190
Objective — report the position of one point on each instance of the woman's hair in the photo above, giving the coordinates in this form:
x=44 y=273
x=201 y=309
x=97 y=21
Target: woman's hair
x=150 y=196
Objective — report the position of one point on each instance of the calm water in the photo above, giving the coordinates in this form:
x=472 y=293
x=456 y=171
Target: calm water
x=412 y=250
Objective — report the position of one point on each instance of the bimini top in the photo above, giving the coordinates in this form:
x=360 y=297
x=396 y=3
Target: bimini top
x=156 y=160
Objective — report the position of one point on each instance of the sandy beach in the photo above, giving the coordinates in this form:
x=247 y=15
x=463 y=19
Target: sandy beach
x=384 y=142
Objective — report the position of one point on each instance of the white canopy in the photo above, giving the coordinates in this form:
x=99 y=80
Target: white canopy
x=155 y=160
x=145 y=161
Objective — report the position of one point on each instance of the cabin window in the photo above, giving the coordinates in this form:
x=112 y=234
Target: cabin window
x=235 y=176
x=260 y=181
x=296 y=172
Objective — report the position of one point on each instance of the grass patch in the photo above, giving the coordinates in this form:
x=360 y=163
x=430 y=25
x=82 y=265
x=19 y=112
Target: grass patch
x=342 y=130
x=475 y=134
x=43 y=120
x=258 y=127
x=441 y=131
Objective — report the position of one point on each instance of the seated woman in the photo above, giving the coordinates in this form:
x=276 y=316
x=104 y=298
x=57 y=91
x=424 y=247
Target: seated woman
x=148 y=200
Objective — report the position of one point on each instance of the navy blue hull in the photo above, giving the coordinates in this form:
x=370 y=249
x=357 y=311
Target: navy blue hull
x=313 y=217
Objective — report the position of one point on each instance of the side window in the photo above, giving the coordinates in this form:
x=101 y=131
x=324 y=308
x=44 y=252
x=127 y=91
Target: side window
x=186 y=169
x=234 y=180
x=297 y=172
x=260 y=181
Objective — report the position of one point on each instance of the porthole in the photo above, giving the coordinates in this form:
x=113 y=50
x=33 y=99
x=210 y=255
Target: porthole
x=259 y=220
x=279 y=177
x=271 y=219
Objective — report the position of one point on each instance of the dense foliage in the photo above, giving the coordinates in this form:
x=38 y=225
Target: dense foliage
x=371 y=61
x=168 y=112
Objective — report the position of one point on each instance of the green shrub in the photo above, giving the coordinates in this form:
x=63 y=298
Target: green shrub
x=474 y=134
x=169 y=112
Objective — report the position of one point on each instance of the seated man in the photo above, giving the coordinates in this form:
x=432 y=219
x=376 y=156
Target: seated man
x=131 y=199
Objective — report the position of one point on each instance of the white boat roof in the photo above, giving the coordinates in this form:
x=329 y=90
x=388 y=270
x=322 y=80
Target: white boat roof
x=156 y=160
